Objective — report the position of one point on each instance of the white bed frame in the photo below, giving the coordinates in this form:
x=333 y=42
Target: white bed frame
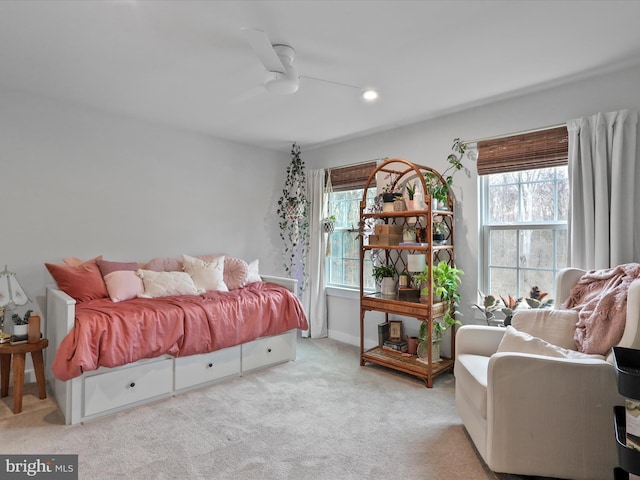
x=108 y=390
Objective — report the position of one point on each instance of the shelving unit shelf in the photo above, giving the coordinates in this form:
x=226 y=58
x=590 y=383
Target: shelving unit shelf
x=426 y=310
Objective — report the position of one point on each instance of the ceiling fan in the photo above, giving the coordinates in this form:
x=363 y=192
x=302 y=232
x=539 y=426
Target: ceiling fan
x=281 y=77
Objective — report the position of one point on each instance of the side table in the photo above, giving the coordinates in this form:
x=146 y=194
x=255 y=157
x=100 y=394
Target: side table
x=17 y=353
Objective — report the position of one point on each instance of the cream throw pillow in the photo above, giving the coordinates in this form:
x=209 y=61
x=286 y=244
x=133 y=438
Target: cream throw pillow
x=165 y=284
x=207 y=276
x=253 y=274
x=522 y=342
x=554 y=326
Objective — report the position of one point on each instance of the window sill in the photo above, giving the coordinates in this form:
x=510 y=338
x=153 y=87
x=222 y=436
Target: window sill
x=343 y=292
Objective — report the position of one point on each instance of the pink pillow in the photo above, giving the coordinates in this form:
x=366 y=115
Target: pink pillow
x=82 y=282
x=164 y=265
x=121 y=279
x=236 y=271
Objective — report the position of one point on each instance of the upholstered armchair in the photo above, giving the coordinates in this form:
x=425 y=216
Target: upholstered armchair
x=536 y=414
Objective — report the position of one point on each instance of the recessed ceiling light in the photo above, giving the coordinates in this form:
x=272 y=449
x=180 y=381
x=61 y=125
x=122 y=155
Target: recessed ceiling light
x=369 y=94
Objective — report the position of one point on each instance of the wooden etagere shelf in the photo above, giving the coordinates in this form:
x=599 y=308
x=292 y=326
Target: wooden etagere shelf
x=427 y=310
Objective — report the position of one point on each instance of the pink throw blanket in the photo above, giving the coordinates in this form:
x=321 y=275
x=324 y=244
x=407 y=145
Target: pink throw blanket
x=112 y=334
x=600 y=298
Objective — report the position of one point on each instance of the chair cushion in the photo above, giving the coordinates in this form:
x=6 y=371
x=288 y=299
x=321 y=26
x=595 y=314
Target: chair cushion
x=471 y=379
x=521 y=342
x=554 y=326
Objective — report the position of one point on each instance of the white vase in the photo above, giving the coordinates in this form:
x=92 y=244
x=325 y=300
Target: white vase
x=20 y=330
x=388 y=286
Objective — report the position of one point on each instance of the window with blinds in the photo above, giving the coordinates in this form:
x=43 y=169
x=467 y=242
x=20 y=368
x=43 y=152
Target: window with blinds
x=524 y=198
x=343 y=258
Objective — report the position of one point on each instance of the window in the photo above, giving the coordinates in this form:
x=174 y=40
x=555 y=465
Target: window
x=343 y=261
x=343 y=258
x=524 y=212
x=524 y=230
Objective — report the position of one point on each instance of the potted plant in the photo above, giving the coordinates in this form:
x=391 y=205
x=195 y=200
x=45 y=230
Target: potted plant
x=385 y=275
x=510 y=306
x=293 y=213
x=446 y=280
x=489 y=305
x=439 y=233
x=439 y=190
x=536 y=298
x=20 y=324
x=329 y=224
x=421 y=280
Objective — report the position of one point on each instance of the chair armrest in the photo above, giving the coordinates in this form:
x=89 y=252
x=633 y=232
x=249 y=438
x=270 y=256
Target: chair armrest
x=478 y=339
x=566 y=279
x=631 y=336
x=543 y=407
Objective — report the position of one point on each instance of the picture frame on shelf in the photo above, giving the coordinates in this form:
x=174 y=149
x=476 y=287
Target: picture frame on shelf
x=395 y=330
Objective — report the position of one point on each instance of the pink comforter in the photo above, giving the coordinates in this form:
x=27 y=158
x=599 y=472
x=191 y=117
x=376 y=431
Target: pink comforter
x=112 y=334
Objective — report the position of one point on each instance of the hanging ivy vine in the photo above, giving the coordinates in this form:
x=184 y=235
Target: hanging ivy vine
x=293 y=213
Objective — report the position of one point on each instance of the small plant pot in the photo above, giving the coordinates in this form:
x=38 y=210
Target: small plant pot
x=439 y=238
x=423 y=351
x=388 y=286
x=20 y=330
x=412 y=345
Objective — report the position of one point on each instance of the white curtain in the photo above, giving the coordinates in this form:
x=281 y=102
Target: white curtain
x=314 y=298
x=604 y=218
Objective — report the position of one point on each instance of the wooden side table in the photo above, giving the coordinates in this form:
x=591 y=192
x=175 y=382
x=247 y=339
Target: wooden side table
x=18 y=352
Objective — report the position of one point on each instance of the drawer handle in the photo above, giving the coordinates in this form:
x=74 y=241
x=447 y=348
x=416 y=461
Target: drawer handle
x=269 y=350
x=132 y=384
x=210 y=365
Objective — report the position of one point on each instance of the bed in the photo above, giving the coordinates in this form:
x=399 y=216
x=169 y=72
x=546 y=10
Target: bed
x=107 y=356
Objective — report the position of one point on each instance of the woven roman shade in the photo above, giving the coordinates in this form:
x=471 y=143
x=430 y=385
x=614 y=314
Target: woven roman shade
x=352 y=176
x=524 y=151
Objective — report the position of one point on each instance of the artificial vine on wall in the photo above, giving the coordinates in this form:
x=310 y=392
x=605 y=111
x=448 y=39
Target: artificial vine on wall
x=293 y=212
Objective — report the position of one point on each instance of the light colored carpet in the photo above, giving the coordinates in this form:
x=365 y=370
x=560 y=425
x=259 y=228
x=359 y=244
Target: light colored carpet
x=320 y=417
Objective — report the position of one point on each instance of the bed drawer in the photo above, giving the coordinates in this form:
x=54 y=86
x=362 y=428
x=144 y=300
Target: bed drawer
x=268 y=351
x=121 y=387
x=197 y=369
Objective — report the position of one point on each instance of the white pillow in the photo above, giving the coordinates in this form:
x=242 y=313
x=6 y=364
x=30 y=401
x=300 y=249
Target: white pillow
x=253 y=275
x=207 y=276
x=164 y=284
x=522 y=342
x=554 y=326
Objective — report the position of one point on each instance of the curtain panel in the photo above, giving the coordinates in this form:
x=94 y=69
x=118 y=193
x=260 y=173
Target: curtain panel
x=604 y=221
x=314 y=300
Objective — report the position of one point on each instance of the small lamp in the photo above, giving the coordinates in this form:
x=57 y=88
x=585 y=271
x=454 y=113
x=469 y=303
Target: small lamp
x=11 y=295
x=416 y=263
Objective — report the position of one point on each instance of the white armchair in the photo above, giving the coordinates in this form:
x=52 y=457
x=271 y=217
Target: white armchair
x=537 y=415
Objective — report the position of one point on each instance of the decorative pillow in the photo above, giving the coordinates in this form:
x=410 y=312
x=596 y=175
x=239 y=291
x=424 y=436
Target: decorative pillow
x=522 y=342
x=83 y=282
x=253 y=275
x=554 y=326
x=164 y=284
x=121 y=279
x=207 y=276
x=235 y=270
x=164 y=265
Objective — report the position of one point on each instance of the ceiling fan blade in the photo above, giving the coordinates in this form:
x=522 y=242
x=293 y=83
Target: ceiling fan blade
x=261 y=44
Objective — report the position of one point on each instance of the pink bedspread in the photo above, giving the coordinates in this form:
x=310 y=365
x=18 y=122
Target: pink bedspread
x=112 y=334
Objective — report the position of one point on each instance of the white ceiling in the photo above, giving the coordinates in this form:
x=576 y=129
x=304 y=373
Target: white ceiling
x=186 y=63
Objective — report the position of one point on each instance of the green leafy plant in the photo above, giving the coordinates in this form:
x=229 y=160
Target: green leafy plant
x=17 y=320
x=411 y=190
x=537 y=299
x=422 y=278
x=489 y=304
x=435 y=187
x=293 y=213
x=446 y=280
x=383 y=271
x=510 y=306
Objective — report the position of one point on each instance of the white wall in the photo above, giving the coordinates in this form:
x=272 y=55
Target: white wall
x=78 y=182
x=429 y=143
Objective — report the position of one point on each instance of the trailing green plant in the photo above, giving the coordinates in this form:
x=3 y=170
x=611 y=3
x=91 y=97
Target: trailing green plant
x=293 y=213
x=435 y=187
x=384 y=271
x=446 y=280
